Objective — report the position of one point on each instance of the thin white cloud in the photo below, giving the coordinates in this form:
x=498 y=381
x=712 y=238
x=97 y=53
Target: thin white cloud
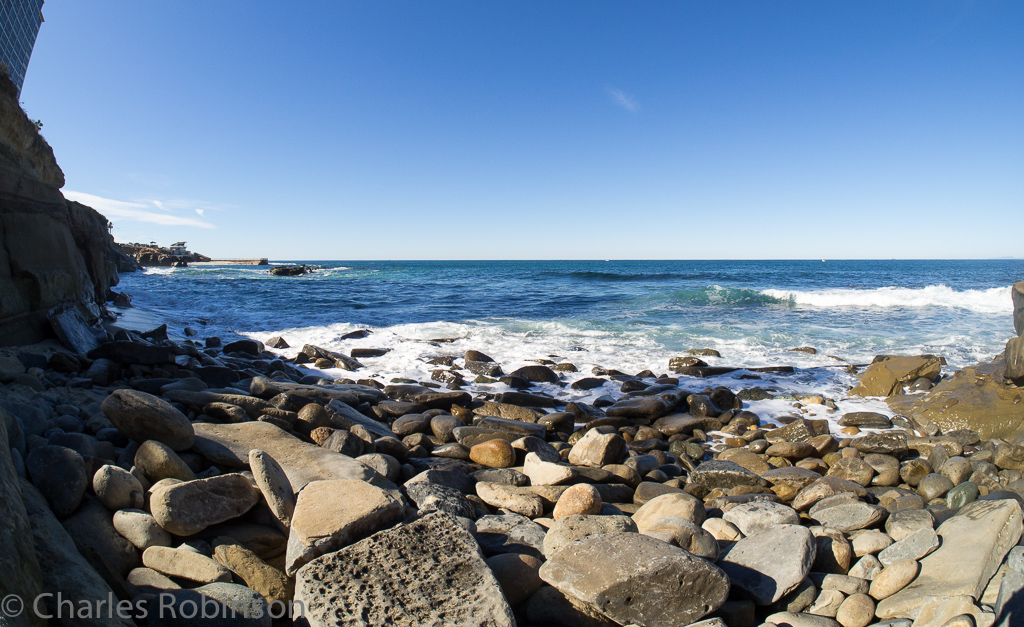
x=622 y=99
x=117 y=210
x=201 y=212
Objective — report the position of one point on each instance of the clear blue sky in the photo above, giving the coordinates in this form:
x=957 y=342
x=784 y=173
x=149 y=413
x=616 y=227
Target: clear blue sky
x=550 y=130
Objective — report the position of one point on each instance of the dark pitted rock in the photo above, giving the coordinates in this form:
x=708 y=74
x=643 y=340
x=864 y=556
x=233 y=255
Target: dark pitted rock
x=126 y=352
x=141 y=416
x=887 y=375
x=588 y=383
x=725 y=475
x=632 y=578
x=60 y=475
x=984 y=530
x=187 y=508
x=865 y=420
x=679 y=364
x=536 y=374
x=800 y=430
x=769 y=564
x=892 y=443
x=522 y=399
x=333 y=514
x=432 y=497
x=510 y=533
x=425 y=572
x=508 y=412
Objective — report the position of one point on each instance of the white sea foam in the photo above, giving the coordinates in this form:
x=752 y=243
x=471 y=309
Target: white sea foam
x=995 y=300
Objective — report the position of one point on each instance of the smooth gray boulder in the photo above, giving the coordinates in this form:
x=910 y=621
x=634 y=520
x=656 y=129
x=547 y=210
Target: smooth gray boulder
x=973 y=545
x=771 y=563
x=141 y=416
x=571 y=528
x=187 y=508
x=425 y=572
x=635 y=579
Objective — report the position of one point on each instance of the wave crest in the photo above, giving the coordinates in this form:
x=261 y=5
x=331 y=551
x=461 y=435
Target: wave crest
x=995 y=300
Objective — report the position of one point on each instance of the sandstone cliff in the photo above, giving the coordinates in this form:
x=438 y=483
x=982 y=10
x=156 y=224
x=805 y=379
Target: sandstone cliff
x=54 y=254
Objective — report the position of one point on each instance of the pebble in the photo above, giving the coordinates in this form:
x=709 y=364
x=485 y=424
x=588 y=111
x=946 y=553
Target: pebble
x=117 y=488
x=857 y=610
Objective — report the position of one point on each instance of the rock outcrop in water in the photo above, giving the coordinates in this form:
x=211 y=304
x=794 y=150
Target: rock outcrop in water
x=54 y=254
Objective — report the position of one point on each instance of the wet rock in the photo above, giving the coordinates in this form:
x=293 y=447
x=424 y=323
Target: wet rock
x=632 y=578
x=536 y=374
x=141 y=416
x=333 y=514
x=187 y=508
x=769 y=564
x=405 y=574
x=725 y=475
x=886 y=376
x=865 y=420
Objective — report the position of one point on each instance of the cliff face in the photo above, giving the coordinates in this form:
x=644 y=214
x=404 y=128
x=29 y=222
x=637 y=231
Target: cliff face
x=54 y=255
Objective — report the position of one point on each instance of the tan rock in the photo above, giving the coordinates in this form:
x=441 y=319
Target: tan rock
x=722 y=530
x=984 y=530
x=273 y=483
x=515 y=499
x=493 y=454
x=678 y=504
x=158 y=461
x=893 y=578
x=272 y=583
x=187 y=508
x=117 y=488
x=546 y=473
x=185 y=565
x=857 y=610
x=146 y=580
x=886 y=376
x=597 y=449
x=140 y=528
x=827 y=604
x=330 y=515
x=581 y=499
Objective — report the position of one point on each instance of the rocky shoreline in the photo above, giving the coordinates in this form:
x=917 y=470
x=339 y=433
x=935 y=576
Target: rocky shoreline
x=151 y=469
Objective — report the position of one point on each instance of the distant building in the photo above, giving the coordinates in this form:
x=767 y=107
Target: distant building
x=19 y=25
x=178 y=248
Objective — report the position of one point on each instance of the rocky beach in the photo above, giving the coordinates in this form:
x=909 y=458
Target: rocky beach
x=167 y=475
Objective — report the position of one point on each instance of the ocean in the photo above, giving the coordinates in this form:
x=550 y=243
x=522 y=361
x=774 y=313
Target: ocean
x=624 y=315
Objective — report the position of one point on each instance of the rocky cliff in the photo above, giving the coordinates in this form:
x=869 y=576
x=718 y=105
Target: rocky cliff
x=55 y=255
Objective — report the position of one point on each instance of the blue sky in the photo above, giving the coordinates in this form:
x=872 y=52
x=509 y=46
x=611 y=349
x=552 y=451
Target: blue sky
x=542 y=130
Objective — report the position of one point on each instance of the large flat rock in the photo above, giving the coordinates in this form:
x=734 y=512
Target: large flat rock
x=229 y=445
x=973 y=545
x=770 y=563
x=427 y=572
x=975 y=398
x=636 y=579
